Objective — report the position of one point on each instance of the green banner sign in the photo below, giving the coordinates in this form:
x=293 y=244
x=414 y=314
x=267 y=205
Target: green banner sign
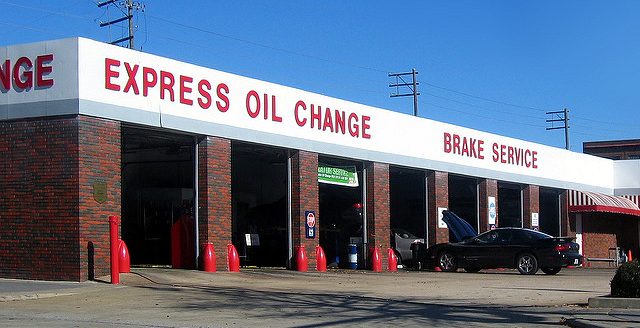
x=343 y=176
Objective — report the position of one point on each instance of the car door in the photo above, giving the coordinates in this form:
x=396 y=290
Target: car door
x=505 y=250
x=480 y=251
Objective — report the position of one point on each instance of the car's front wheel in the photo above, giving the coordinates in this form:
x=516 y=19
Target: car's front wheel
x=447 y=262
x=551 y=271
x=527 y=264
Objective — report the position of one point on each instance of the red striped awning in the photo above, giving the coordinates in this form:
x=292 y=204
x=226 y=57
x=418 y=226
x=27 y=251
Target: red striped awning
x=584 y=201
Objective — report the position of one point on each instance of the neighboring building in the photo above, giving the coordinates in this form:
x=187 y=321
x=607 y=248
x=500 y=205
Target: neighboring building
x=604 y=223
x=613 y=149
x=188 y=155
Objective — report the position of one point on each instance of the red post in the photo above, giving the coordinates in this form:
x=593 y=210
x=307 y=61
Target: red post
x=302 y=263
x=124 y=261
x=393 y=260
x=176 y=255
x=376 y=260
x=113 y=243
x=321 y=260
x=234 y=259
x=208 y=258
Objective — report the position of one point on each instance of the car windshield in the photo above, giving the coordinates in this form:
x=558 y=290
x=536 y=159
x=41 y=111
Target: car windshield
x=508 y=235
x=495 y=236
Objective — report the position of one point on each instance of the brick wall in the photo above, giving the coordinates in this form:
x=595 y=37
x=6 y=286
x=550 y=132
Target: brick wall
x=531 y=203
x=214 y=196
x=438 y=195
x=99 y=172
x=39 y=199
x=378 y=209
x=50 y=221
x=602 y=231
x=304 y=197
x=487 y=188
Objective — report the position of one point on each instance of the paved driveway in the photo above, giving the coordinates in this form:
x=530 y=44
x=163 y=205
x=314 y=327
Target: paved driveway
x=278 y=298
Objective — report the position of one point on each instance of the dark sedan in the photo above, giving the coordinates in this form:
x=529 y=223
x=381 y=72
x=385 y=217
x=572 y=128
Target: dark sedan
x=523 y=249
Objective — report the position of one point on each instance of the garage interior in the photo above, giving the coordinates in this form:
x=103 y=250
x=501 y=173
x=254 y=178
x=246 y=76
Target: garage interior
x=259 y=204
x=408 y=206
x=157 y=196
x=341 y=215
x=463 y=200
x=550 y=211
x=509 y=205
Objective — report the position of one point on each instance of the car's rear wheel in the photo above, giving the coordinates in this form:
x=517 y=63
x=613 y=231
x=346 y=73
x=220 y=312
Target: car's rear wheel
x=447 y=262
x=472 y=270
x=527 y=264
x=551 y=271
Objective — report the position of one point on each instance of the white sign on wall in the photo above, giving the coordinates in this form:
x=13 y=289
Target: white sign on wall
x=441 y=223
x=81 y=76
x=535 y=222
x=492 y=210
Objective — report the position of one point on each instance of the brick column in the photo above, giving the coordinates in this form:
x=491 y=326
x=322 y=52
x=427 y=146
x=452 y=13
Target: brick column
x=438 y=189
x=531 y=204
x=304 y=197
x=378 y=210
x=100 y=189
x=488 y=188
x=214 y=196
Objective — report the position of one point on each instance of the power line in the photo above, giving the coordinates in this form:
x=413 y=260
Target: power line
x=253 y=43
x=59 y=13
x=480 y=107
x=262 y=45
x=486 y=99
x=485 y=117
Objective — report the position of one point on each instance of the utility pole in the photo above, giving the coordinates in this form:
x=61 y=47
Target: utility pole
x=130 y=5
x=564 y=118
x=412 y=86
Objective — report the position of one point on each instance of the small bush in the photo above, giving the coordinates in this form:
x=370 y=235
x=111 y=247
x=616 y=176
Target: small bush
x=626 y=282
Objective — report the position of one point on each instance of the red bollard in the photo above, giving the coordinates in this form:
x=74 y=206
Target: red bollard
x=393 y=260
x=176 y=242
x=629 y=256
x=233 y=258
x=113 y=247
x=376 y=260
x=208 y=258
x=321 y=260
x=124 y=261
x=302 y=263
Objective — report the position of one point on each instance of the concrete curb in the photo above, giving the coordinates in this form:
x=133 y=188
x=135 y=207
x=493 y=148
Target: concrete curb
x=614 y=302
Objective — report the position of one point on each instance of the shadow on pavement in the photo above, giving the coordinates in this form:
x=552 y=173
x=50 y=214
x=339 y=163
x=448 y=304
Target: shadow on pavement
x=330 y=309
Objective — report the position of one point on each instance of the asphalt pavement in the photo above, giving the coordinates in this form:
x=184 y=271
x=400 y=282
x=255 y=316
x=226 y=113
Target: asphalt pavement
x=279 y=298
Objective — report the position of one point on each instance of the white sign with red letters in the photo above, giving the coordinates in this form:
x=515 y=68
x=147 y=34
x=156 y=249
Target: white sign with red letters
x=81 y=76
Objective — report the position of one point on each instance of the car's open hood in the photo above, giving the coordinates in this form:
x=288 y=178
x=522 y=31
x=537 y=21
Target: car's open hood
x=460 y=228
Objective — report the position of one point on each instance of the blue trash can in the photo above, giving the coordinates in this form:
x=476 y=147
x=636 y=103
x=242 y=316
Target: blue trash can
x=352 y=250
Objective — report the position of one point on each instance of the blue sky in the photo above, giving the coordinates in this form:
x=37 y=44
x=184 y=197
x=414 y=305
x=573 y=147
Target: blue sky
x=495 y=66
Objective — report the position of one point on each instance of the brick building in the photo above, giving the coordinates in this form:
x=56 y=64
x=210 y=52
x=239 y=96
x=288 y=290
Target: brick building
x=187 y=155
x=605 y=223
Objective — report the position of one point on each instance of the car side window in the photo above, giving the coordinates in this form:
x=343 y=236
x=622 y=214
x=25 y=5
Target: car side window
x=504 y=237
x=522 y=236
x=489 y=237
